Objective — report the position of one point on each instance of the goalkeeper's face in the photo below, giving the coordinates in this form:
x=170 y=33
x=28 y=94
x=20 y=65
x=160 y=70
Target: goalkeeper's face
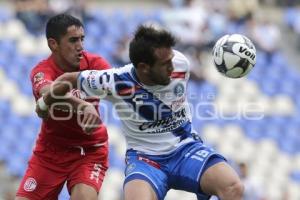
x=70 y=47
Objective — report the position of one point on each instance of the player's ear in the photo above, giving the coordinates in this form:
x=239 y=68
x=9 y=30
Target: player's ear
x=52 y=44
x=143 y=67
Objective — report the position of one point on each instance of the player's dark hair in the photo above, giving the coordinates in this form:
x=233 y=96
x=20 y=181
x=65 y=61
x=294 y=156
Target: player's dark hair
x=57 y=25
x=145 y=41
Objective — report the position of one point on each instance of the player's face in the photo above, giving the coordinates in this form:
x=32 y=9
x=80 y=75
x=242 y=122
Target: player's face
x=70 y=47
x=160 y=72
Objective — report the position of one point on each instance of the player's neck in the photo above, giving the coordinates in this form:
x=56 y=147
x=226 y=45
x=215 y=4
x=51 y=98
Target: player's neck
x=143 y=79
x=62 y=64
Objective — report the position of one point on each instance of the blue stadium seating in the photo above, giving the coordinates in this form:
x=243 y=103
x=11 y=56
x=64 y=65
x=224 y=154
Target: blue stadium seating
x=17 y=134
x=295 y=175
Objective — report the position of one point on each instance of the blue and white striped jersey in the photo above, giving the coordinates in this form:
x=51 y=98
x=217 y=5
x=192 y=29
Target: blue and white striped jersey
x=156 y=119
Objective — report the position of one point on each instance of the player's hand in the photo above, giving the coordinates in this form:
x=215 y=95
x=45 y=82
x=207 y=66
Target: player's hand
x=44 y=114
x=91 y=119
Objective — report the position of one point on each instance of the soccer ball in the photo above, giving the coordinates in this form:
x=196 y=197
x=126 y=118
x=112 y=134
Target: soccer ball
x=234 y=55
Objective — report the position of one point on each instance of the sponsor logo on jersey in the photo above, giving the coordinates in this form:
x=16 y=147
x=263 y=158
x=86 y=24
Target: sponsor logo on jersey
x=130 y=168
x=38 y=77
x=91 y=80
x=30 y=184
x=165 y=125
x=179 y=90
x=177 y=104
x=40 y=83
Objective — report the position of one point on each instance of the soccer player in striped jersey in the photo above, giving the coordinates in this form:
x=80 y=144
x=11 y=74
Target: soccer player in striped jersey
x=150 y=96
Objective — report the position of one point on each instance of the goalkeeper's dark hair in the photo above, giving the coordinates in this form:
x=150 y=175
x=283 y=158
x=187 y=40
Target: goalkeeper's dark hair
x=58 y=25
x=146 y=40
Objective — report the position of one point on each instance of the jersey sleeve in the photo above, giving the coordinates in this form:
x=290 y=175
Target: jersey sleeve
x=39 y=78
x=99 y=83
x=100 y=63
x=181 y=64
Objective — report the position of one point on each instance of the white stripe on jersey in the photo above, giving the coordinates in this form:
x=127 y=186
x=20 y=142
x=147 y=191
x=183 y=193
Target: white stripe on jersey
x=156 y=119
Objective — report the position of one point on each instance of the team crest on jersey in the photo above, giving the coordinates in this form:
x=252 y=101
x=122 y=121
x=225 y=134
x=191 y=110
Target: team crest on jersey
x=38 y=77
x=30 y=184
x=179 y=90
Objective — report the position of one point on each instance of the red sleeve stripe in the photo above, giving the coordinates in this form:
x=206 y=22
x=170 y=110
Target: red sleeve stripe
x=178 y=74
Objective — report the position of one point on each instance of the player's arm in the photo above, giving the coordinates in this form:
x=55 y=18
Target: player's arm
x=41 y=79
x=67 y=103
x=93 y=83
x=59 y=89
x=68 y=81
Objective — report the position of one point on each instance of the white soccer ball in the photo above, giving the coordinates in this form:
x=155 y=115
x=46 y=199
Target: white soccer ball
x=234 y=55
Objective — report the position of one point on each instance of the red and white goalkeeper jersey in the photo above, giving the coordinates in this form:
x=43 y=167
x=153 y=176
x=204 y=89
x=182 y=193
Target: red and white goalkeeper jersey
x=63 y=129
